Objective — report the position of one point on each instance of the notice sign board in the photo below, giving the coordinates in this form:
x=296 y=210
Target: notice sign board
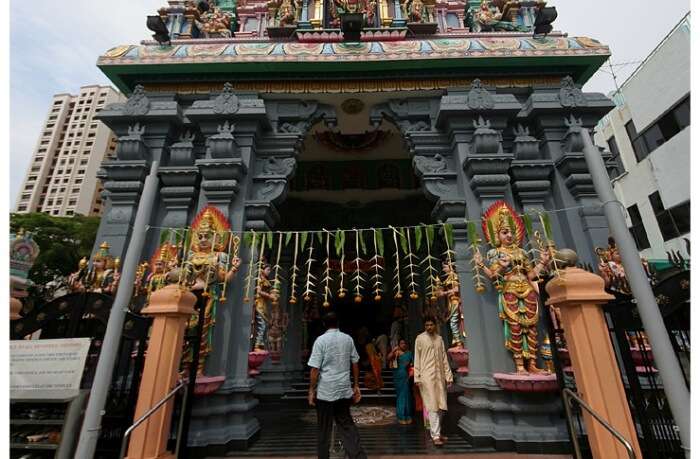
x=47 y=365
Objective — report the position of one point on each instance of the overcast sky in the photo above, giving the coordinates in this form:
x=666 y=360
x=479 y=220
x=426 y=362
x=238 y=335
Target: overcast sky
x=54 y=47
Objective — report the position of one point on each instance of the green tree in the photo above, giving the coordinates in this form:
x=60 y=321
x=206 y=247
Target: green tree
x=62 y=241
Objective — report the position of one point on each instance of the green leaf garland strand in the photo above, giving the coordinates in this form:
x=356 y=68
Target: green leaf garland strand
x=304 y=237
x=310 y=278
x=327 y=272
x=361 y=236
x=418 y=231
x=251 y=264
x=397 y=268
x=430 y=269
x=358 y=274
x=404 y=242
x=288 y=238
x=276 y=283
x=295 y=271
x=474 y=241
x=377 y=277
x=411 y=257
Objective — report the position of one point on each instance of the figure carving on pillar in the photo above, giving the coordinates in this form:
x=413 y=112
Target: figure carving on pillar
x=208 y=268
x=514 y=276
x=367 y=7
x=102 y=277
x=279 y=320
x=263 y=294
x=450 y=289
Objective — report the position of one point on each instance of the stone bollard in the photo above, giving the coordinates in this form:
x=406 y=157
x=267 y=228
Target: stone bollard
x=579 y=294
x=170 y=308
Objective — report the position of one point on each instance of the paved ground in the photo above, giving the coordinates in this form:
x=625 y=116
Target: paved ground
x=290 y=432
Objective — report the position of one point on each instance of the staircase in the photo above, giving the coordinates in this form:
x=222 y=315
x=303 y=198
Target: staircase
x=386 y=395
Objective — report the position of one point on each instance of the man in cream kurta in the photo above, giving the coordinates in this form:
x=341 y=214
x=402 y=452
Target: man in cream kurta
x=432 y=374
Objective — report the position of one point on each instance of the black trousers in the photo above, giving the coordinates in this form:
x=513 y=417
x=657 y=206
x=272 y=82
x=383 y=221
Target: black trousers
x=340 y=411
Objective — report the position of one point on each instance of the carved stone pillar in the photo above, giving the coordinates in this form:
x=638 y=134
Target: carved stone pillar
x=179 y=178
x=144 y=125
x=558 y=114
x=530 y=173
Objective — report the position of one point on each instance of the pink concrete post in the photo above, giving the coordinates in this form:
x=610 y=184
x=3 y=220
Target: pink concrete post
x=170 y=307
x=579 y=295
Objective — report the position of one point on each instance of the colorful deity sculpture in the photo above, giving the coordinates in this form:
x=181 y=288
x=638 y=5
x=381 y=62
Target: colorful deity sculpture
x=488 y=17
x=263 y=295
x=449 y=288
x=514 y=276
x=208 y=268
x=367 y=7
x=156 y=274
x=279 y=321
x=611 y=269
x=215 y=23
x=283 y=13
x=101 y=277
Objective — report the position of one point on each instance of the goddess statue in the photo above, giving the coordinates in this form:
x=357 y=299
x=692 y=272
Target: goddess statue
x=102 y=277
x=514 y=277
x=207 y=268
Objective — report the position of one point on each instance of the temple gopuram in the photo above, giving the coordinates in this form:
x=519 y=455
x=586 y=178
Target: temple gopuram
x=291 y=142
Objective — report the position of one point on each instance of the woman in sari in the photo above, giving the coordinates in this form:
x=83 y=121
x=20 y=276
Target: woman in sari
x=373 y=378
x=404 y=404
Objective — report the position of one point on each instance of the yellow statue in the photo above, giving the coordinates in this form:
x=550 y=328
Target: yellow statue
x=514 y=276
x=101 y=277
x=163 y=262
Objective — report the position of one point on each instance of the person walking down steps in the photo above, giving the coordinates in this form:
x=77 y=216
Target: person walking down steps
x=332 y=356
x=432 y=374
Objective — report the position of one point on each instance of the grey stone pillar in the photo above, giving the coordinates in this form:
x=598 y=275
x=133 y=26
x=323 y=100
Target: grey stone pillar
x=230 y=123
x=144 y=125
x=558 y=114
x=180 y=182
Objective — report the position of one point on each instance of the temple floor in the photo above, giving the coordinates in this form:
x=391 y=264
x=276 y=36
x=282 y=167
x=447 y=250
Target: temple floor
x=288 y=429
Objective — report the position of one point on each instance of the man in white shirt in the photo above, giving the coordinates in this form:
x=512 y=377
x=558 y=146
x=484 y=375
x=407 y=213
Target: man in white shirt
x=330 y=392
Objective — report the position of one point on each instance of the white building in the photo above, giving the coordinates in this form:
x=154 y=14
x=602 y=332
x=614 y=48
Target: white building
x=649 y=132
x=61 y=179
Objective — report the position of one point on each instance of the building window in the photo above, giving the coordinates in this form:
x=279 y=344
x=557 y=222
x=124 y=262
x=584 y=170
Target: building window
x=21 y=208
x=637 y=230
x=638 y=144
x=615 y=152
x=661 y=131
x=673 y=222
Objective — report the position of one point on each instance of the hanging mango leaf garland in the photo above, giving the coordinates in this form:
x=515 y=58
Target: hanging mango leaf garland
x=357 y=280
x=340 y=252
x=295 y=271
x=431 y=261
x=327 y=272
x=310 y=278
x=250 y=239
x=410 y=265
x=397 y=268
x=474 y=241
x=377 y=277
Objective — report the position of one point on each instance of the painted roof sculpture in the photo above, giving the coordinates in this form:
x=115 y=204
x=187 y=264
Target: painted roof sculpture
x=419 y=39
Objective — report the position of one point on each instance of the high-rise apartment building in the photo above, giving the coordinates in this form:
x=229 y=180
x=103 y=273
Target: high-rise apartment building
x=61 y=179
